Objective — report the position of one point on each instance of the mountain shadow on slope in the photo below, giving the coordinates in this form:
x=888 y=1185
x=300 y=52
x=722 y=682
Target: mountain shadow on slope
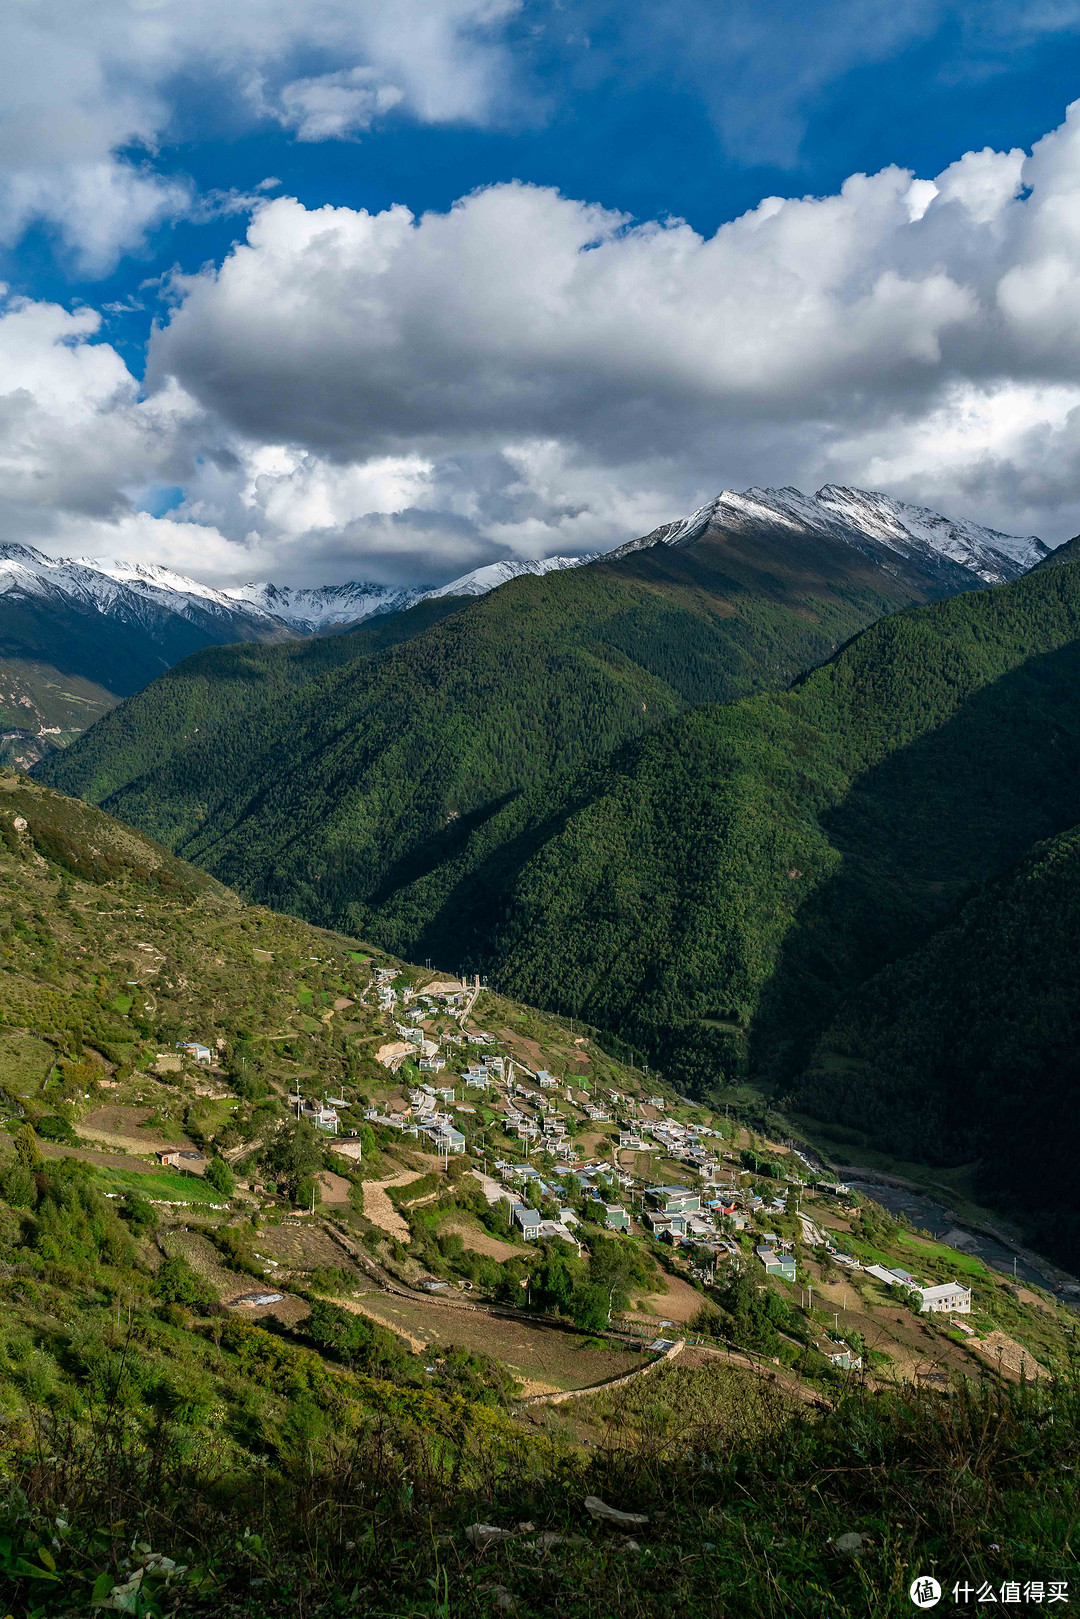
x=916 y=834
x=718 y=885
x=967 y=1050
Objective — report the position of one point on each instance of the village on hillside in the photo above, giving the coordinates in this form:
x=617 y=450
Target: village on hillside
x=312 y=1120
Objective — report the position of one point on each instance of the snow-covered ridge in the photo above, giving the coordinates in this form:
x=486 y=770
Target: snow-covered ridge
x=494 y=574
x=860 y=516
x=144 y=592
x=320 y=607
x=150 y=596
x=128 y=590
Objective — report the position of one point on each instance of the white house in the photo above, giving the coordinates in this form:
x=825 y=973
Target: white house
x=201 y=1053
x=946 y=1296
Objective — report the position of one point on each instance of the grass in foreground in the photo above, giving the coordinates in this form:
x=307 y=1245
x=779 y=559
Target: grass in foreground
x=368 y=1514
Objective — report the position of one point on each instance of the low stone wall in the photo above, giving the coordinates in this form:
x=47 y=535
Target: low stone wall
x=612 y=1382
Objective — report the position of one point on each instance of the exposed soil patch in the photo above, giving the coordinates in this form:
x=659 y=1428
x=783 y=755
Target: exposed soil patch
x=333 y=1188
x=1026 y=1296
x=680 y=1303
x=301 y=1247
x=379 y=1209
x=527 y=1051
x=535 y=1354
x=127 y=1127
x=289 y=1310
x=479 y=1241
x=1004 y=1354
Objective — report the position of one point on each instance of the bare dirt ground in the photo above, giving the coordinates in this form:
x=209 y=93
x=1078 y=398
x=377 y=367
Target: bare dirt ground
x=301 y=1247
x=379 y=1209
x=392 y=1050
x=1006 y=1356
x=288 y=1310
x=915 y=1348
x=541 y=1357
x=525 y=1050
x=482 y=1242
x=588 y=1142
x=581 y=1060
x=680 y=1303
x=124 y=1126
x=333 y=1188
x=1026 y=1296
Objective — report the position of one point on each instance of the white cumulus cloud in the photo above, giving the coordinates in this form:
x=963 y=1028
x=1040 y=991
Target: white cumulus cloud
x=399 y=396
x=88 y=83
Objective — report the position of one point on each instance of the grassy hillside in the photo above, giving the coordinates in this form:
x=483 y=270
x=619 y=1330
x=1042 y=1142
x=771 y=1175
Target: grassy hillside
x=326 y=781
x=169 y=1447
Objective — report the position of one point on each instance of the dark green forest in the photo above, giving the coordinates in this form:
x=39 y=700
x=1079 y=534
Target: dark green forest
x=717 y=891
x=968 y=1050
x=327 y=777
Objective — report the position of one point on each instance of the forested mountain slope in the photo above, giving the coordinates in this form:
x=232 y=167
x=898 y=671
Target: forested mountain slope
x=215 y=714
x=326 y=779
x=967 y=1051
x=715 y=889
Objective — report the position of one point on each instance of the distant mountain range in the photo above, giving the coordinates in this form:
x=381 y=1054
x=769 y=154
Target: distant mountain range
x=331 y=776
x=170 y=609
x=118 y=624
x=174 y=612
x=316 y=609
x=78 y=634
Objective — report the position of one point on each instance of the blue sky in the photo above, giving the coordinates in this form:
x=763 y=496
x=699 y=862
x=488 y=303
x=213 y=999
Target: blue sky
x=266 y=416
x=637 y=124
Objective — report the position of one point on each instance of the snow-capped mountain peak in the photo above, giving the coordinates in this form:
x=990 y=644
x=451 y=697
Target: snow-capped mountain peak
x=986 y=551
x=308 y=609
x=147 y=593
x=862 y=517
x=494 y=574
x=175 y=614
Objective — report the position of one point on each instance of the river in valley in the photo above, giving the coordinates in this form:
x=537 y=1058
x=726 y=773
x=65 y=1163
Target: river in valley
x=922 y=1210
